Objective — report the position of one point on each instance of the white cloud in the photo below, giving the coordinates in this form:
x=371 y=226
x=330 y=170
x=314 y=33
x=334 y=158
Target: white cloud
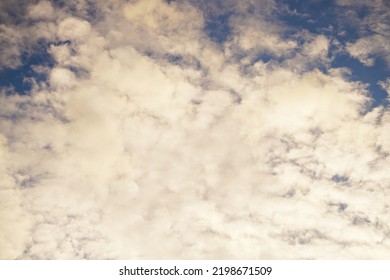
x=42 y=10
x=312 y=54
x=260 y=37
x=73 y=29
x=365 y=49
x=385 y=85
x=159 y=27
x=254 y=33
x=14 y=222
x=9 y=42
x=60 y=77
x=126 y=155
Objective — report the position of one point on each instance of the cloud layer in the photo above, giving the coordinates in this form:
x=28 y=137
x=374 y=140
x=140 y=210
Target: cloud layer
x=150 y=140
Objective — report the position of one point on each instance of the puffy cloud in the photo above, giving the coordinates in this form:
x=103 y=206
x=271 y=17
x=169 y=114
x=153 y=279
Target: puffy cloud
x=151 y=141
x=312 y=54
x=60 y=77
x=41 y=11
x=73 y=29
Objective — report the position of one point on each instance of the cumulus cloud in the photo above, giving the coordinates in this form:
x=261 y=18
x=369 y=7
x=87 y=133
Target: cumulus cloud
x=41 y=11
x=151 y=141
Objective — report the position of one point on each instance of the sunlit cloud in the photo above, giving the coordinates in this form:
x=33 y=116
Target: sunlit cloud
x=144 y=135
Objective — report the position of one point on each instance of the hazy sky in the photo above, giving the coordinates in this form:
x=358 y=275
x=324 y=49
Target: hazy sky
x=194 y=129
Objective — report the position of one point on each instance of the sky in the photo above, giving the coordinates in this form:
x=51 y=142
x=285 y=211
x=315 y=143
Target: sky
x=194 y=129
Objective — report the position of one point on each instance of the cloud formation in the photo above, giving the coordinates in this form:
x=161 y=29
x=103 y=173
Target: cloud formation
x=374 y=27
x=150 y=140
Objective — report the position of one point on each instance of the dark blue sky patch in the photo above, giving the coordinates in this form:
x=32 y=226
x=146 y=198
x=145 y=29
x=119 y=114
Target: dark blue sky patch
x=217 y=27
x=263 y=57
x=320 y=17
x=183 y=61
x=90 y=12
x=16 y=79
x=310 y=15
x=19 y=78
x=175 y=59
x=340 y=178
x=362 y=11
